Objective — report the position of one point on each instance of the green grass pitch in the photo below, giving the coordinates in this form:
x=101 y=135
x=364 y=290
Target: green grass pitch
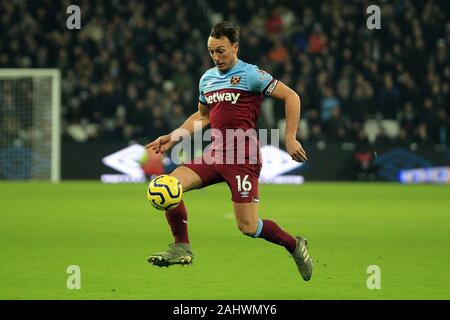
x=109 y=230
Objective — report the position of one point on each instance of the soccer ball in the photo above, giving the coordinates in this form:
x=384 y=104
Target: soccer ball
x=164 y=192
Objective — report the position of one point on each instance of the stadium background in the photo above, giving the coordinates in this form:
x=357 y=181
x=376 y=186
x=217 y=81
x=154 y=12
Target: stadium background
x=131 y=73
x=373 y=102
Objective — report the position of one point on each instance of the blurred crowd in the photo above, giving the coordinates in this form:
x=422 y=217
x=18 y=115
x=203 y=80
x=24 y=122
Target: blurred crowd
x=132 y=70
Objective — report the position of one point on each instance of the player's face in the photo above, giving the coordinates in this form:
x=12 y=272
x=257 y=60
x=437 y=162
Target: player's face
x=223 y=52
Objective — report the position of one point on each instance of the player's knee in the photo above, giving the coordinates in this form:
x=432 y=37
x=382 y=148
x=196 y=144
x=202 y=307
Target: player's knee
x=248 y=228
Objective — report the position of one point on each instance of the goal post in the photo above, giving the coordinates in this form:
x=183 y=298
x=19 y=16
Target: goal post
x=30 y=124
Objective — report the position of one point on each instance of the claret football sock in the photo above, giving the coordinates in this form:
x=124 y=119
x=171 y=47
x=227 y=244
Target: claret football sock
x=273 y=233
x=177 y=219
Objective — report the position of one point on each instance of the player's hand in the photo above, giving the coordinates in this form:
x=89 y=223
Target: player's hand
x=295 y=150
x=160 y=145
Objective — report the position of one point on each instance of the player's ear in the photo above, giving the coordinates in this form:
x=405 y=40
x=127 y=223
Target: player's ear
x=236 y=47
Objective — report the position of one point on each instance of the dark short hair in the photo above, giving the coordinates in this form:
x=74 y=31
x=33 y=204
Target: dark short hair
x=225 y=29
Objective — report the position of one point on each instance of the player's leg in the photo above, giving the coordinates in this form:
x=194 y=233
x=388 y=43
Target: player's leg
x=188 y=178
x=180 y=251
x=244 y=190
x=244 y=194
x=247 y=217
x=250 y=225
x=191 y=177
x=178 y=217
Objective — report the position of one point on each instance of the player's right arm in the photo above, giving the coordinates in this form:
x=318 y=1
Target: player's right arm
x=195 y=122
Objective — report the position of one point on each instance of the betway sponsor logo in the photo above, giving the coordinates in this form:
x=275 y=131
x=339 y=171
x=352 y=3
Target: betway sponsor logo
x=223 y=96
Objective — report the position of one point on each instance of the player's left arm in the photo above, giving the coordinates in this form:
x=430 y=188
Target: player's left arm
x=292 y=107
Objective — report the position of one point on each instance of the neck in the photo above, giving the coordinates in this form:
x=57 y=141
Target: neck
x=234 y=62
x=231 y=66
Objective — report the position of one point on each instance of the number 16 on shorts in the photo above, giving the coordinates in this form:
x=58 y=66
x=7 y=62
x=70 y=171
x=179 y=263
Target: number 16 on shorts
x=243 y=184
x=246 y=191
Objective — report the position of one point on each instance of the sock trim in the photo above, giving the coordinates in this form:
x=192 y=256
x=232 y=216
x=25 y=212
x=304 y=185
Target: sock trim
x=259 y=229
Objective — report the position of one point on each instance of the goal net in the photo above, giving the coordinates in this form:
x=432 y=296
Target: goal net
x=30 y=124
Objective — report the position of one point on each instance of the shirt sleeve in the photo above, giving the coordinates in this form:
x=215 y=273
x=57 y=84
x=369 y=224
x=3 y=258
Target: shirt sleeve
x=260 y=81
x=201 y=96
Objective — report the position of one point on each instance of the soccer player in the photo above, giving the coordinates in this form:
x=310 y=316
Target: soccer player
x=230 y=97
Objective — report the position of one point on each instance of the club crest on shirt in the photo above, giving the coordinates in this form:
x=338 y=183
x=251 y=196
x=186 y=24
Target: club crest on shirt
x=235 y=80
